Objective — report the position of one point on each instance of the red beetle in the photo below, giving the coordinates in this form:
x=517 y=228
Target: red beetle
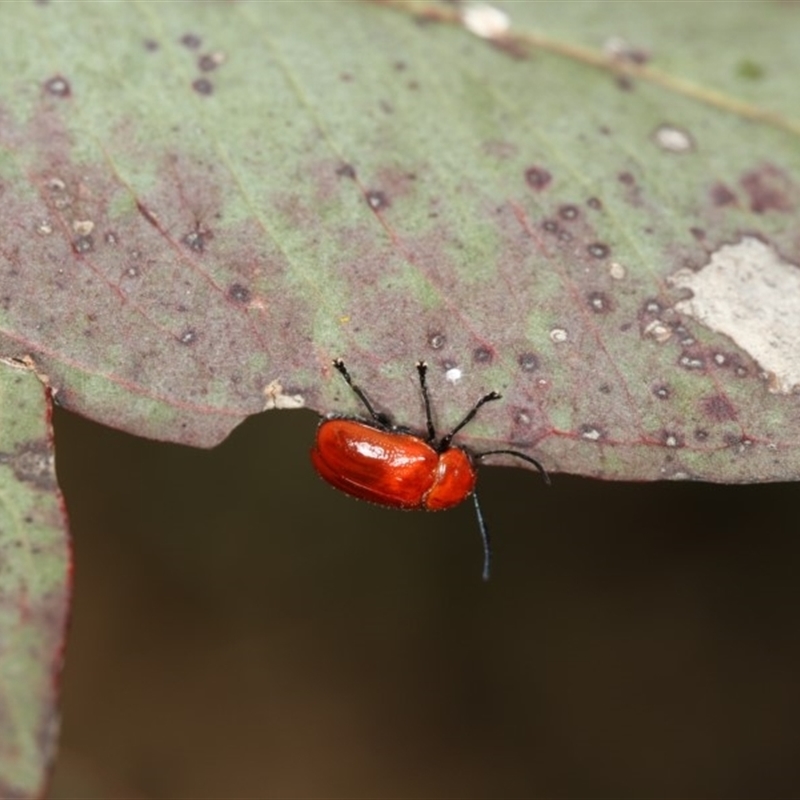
x=385 y=464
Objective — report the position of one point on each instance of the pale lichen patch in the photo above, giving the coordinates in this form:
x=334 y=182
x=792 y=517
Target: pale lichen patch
x=275 y=397
x=749 y=293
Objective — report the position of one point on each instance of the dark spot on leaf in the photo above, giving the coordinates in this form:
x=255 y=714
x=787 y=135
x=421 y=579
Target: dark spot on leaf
x=522 y=416
x=698 y=233
x=595 y=203
x=537 y=178
x=189 y=336
x=652 y=306
x=684 y=337
x=207 y=63
x=399 y=65
x=346 y=171
x=346 y=77
x=739 y=369
x=528 y=362
x=58 y=86
x=719 y=408
x=550 y=225
x=191 y=40
x=413 y=85
x=437 y=340
x=626 y=178
x=662 y=391
x=238 y=293
x=598 y=250
x=701 y=434
x=386 y=107
x=197 y=240
x=203 y=86
x=482 y=355
x=721 y=195
x=672 y=439
x=624 y=82
x=83 y=244
x=749 y=70
x=599 y=302
x=568 y=212
x=151 y=45
x=736 y=440
x=769 y=189
x=604 y=388
x=377 y=200
x=146 y=213
x=690 y=361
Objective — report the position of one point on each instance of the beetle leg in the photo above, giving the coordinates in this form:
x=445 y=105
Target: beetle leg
x=445 y=443
x=422 y=369
x=380 y=419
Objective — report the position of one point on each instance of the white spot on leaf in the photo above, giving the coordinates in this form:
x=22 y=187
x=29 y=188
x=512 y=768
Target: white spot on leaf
x=616 y=271
x=672 y=139
x=485 y=21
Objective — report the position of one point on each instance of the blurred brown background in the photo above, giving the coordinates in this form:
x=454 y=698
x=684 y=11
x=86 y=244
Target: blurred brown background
x=242 y=630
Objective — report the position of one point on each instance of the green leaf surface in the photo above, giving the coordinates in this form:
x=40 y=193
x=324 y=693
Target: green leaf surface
x=34 y=585
x=204 y=203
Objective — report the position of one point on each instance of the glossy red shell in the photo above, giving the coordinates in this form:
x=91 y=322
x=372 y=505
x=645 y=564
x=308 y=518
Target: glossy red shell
x=390 y=468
